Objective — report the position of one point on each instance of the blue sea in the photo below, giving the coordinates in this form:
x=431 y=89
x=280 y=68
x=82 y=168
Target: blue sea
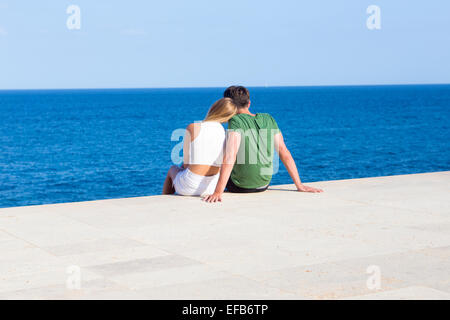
x=75 y=145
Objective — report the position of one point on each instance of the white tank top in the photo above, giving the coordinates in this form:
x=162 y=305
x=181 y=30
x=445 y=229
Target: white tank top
x=207 y=148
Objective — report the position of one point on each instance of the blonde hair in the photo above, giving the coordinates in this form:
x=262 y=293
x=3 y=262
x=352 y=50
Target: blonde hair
x=222 y=110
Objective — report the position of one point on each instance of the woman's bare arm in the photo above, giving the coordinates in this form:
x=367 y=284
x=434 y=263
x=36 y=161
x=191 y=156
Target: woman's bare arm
x=187 y=145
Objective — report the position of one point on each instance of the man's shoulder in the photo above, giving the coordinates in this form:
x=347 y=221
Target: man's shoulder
x=265 y=115
x=242 y=116
x=236 y=120
x=238 y=116
x=267 y=121
x=243 y=120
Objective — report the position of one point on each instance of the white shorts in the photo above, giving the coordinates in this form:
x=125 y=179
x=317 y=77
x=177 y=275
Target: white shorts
x=187 y=183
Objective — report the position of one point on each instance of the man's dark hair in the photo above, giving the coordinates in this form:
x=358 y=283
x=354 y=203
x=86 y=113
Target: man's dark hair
x=239 y=95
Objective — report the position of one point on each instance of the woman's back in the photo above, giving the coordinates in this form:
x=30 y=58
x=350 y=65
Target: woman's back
x=206 y=147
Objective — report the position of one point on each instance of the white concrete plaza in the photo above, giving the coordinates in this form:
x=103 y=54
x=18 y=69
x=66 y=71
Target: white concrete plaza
x=279 y=244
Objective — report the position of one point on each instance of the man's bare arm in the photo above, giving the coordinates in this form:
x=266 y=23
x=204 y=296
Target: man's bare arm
x=229 y=158
x=289 y=163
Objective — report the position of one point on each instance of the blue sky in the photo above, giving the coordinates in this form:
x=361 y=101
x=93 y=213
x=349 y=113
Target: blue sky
x=179 y=43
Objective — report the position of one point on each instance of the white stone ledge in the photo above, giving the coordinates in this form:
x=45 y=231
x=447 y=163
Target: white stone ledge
x=279 y=244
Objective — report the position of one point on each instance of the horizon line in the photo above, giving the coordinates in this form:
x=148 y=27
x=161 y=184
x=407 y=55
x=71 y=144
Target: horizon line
x=216 y=87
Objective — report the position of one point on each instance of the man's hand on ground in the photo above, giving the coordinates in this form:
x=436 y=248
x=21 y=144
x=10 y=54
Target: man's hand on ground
x=215 y=197
x=304 y=188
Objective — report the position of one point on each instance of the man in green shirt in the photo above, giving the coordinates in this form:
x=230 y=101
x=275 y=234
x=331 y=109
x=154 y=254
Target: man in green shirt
x=248 y=159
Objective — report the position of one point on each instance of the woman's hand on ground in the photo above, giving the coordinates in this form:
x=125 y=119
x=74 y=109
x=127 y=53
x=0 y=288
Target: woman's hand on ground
x=215 y=197
x=304 y=188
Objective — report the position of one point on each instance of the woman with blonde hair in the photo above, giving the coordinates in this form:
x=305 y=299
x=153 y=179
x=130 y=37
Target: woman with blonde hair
x=203 y=147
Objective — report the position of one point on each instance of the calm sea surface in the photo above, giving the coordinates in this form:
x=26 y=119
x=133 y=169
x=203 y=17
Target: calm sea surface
x=75 y=145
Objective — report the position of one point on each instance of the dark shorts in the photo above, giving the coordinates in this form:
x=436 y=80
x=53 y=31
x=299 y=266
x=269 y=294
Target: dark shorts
x=231 y=187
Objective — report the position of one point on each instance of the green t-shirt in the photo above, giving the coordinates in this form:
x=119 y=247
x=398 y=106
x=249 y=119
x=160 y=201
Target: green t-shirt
x=254 y=162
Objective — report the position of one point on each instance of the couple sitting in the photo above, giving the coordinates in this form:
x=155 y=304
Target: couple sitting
x=240 y=162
